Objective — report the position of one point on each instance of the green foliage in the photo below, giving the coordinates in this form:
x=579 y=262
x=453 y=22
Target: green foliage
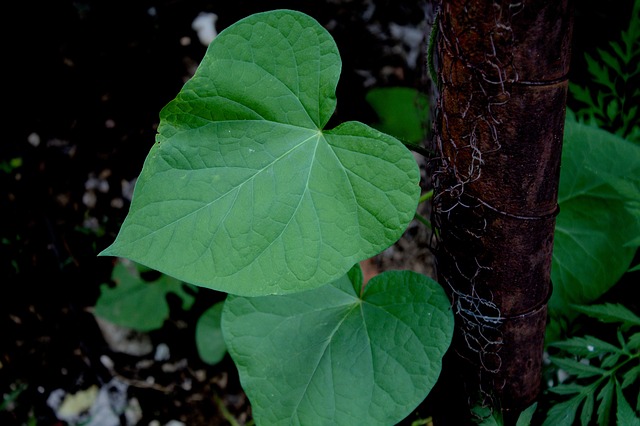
x=403 y=112
x=596 y=239
x=244 y=192
x=137 y=303
x=486 y=416
x=611 y=313
x=527 y=415
x=599 y=220
x=616 y=73
x=8 y=166
x=12 y=396
x=141 y=304
x=341 y=354
x=599 y=371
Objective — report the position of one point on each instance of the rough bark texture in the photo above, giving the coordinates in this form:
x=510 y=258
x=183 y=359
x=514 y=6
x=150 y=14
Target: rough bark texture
x=503 y=81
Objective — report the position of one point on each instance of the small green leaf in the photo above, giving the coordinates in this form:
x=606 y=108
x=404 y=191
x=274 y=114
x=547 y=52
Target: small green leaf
x=327 y=356
x=579 y=369
x=209 y=340
x=631 y=376
x=487 y=416
x=609 y=313
x=634 y=342
x=138 y=304
x=527 y=415
x=587 y=346
x=624 y=412
x=244 y=191
x=621 y=338
x=605 y=396
x=582 y=94
x=567 y=389
x=610 y=60
x=613 y=110
x=600 y=73
x=563 y=413
x=610 y=360
x=587 y=409
x=615 y=46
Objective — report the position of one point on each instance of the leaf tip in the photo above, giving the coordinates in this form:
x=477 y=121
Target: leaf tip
x=109 y=251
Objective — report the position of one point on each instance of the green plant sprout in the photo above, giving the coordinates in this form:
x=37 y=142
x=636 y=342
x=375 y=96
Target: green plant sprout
x=246 y=192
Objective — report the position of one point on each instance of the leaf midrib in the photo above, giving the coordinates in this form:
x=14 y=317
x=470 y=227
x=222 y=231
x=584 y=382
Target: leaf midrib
x=323 y=354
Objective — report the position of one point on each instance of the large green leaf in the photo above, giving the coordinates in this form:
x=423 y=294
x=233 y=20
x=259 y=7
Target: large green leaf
x=599 y=220
x=331 y=357
x=244 y=192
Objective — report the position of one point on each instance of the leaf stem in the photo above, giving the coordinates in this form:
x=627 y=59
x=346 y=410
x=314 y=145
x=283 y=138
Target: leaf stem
x=224 y=412
x=423 y=220
x=427 y=153
x=426 y=196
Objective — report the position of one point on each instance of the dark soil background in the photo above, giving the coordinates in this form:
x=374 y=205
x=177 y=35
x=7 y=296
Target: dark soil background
x=85 y=81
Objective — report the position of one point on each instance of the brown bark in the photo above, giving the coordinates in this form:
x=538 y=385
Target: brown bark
x=503 y=81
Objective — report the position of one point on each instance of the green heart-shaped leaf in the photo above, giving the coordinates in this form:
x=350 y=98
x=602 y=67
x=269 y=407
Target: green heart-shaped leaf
x=599 y=217
x=244 y=192
x=328 y=356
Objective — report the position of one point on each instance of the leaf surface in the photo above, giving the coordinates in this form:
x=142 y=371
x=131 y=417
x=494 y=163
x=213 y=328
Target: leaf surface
x=328 y=356
x=624 y=412
x=244 y=191
x=587 y=346
x=599 y=217
x=610 y=313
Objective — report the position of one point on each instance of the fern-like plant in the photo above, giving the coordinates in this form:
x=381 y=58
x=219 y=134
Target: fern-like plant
x=613 y=106
x=601 y=377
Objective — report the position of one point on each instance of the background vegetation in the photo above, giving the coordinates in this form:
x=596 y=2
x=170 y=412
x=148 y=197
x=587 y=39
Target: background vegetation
x=90 y=79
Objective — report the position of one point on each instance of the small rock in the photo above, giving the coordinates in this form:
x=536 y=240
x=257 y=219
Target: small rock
x=205 y=26
x=125 y=340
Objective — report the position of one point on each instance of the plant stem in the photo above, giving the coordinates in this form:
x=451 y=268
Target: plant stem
x=423 y=220
x=426 y=196
x=224 y=412
x=419 y=149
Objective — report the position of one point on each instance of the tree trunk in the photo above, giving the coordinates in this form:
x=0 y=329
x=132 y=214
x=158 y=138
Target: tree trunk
x=499 y=126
